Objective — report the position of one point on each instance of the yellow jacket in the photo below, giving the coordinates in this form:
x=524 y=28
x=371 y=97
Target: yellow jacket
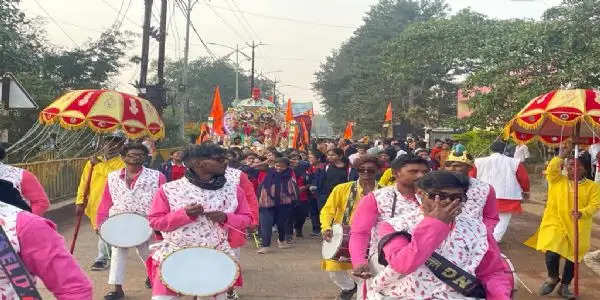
x=99 y=176
x=387 y=178
x=333 y=213
x=556 y=232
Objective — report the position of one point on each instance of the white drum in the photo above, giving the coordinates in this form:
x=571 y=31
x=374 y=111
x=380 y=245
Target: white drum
x=199 y=271
x=126 y=230
x=337 y=248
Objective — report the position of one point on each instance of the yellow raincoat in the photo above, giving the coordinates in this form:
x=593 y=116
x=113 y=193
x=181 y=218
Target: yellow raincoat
x=333 y=213
x=99 y=176
x=556 y=232
x=387 y=178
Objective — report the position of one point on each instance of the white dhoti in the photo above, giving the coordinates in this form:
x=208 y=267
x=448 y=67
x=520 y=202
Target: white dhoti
x=118 y=264
x=502 y=226
x=347 y=282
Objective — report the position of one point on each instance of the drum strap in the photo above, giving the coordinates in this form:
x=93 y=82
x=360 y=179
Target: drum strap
x=15 y=270
x=446 y=271
x=350 y=203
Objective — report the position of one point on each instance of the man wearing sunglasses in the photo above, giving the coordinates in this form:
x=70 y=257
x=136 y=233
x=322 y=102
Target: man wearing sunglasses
x=339 y=209
x=378 y=206
x=481 y=198
x=197 y=210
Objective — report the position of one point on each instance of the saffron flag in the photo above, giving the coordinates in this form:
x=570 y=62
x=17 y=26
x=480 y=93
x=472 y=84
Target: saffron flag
x=217 y=113
x=348 y=130
x=388 y=113
x=288 y=113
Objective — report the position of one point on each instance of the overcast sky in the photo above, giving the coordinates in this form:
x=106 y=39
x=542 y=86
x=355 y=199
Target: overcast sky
x=299 y=34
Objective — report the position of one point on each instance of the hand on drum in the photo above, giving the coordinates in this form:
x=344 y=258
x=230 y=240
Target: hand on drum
x=194 y=210
x=362 y=271
x=216 y=216
x=327 y=235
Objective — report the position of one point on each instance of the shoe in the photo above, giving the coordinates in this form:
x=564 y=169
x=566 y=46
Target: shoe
x=564 y=292
x=114 y=295
x=100 y=265
x=548 y=287
x=148 y=283
x=315 y=234
x=233 y=295
x=284 y=245
x=347 y=294
x=263 y=250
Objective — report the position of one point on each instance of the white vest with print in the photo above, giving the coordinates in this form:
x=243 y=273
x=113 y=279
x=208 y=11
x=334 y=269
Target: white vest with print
x=8 y=218
x=202 y=232
x=15 y=176
x=465 y=246
x=137 y=199
x=476 y=198
x=501 y=172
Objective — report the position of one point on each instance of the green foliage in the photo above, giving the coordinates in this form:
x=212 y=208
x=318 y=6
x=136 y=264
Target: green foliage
x=47 y=71
x=477 y=141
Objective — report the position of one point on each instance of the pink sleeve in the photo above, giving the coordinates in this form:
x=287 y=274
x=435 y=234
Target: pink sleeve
x=242 y=217
x=490 y=211
x=250 y=194
x=45 y=256
x=363 y=220
x=162 y=219
x=494 y=273
x=105 y=204
x=34 y=192
x=162 y=179
x=406 y=256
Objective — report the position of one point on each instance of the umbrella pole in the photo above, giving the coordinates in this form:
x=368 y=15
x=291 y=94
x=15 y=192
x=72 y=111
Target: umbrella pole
x=576 y=220
x=80 y=215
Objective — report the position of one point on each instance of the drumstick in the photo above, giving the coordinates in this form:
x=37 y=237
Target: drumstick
x=523 y=283
x=255 y=240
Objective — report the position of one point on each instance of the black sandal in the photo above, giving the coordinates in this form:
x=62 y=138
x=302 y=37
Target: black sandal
x=114 y=295
x=548 y=287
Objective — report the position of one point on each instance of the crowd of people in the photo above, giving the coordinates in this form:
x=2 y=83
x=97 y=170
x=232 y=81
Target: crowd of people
x=421 y=223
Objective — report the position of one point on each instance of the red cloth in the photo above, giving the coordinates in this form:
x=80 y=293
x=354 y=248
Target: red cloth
x=434 y=152
x=177 y=171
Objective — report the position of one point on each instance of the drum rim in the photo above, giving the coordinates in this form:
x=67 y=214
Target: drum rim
x=337 y=225
x=126 y=213
x=236 y=264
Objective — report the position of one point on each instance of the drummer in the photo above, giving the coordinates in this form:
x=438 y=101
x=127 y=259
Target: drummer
x=437 y=225
x=129 y=190
x=207 y=200
x=339 y=209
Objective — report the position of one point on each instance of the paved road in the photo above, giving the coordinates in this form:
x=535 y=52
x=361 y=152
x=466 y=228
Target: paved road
x=295 y=274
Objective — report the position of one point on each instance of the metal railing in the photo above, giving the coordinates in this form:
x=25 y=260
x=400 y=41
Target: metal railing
x=60 y=178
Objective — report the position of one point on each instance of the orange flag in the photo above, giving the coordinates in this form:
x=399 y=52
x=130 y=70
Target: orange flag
x=306 y=133
x=388 y=113
x=288 y=113
x=217 y=113
x=348 y=130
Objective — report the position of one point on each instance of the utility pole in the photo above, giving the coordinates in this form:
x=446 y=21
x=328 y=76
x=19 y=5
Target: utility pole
x=237 y=72
x=145 y=45
x=162 y=42
x=275 y=91
x=186 y=53
x=252 y=72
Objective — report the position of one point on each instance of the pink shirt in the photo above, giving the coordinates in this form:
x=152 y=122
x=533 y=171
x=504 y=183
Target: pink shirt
x=45 y=256
x=34 y=192
x=250 y=195
x=106 y=203
x=163 y=219
x=365 y=218
x=405 y=257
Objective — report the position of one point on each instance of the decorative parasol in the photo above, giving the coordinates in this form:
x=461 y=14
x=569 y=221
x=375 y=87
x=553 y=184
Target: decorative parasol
x=74 y=122
x=554 y=118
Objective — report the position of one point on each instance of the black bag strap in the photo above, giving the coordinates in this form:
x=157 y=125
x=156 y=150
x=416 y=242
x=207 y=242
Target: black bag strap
x=15 y=270
x=394 y=204
x=446 y=271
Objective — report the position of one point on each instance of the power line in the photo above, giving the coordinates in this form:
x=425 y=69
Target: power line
x=245 y=20
x=128 y=19
x=56 y=23
x=286 y=19
x=223 y=20
x=173 y=26
x=181 y=6
x=124 y=16
x=239 y=20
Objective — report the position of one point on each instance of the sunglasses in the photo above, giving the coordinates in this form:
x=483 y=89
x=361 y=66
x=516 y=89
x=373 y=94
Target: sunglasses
x=443 y=196
x=368 y=171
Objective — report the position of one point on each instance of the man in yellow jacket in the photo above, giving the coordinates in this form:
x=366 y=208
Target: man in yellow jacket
x=339 y=209
x=556 y=232
x=109 y=162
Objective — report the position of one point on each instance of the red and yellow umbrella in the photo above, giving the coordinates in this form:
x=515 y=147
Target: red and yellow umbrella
x=553 y=117
x=105 y=111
